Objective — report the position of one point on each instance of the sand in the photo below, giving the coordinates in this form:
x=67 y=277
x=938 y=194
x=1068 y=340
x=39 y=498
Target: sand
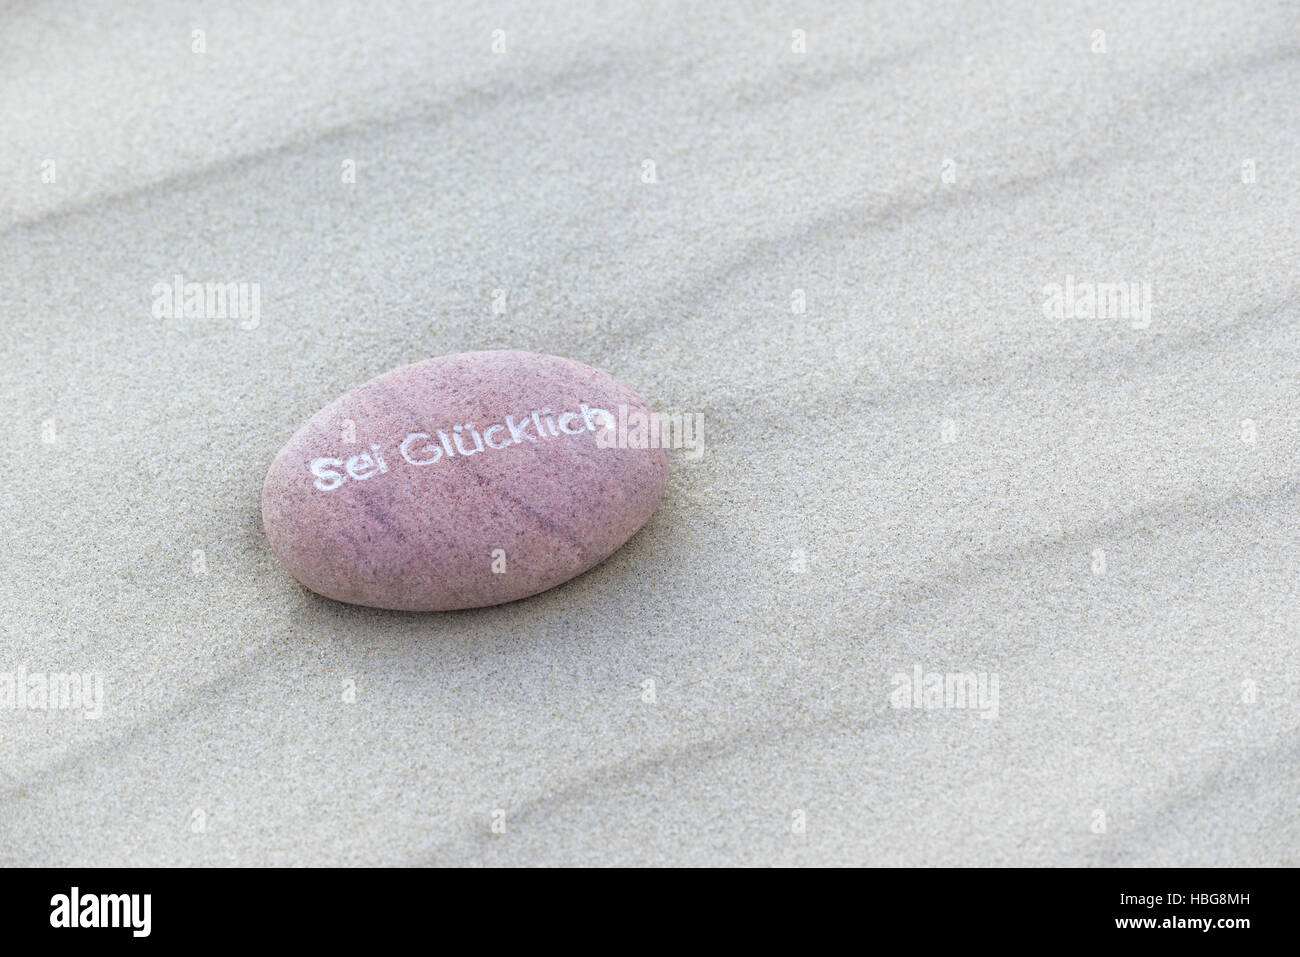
x=839 y=257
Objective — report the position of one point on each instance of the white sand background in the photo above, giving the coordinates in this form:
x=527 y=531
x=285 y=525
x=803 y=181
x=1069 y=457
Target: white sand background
x=946 y=459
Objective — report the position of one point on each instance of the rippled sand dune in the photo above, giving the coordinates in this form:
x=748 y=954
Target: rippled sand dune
x=992 y=312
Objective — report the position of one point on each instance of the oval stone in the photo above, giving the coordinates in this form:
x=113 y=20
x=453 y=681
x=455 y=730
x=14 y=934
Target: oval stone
x=462 y=481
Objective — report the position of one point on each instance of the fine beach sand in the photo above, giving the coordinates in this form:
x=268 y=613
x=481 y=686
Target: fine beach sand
x=919 y=469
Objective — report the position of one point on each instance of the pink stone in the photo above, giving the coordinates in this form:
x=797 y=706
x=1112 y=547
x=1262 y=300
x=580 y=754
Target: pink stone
x=379 y=500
